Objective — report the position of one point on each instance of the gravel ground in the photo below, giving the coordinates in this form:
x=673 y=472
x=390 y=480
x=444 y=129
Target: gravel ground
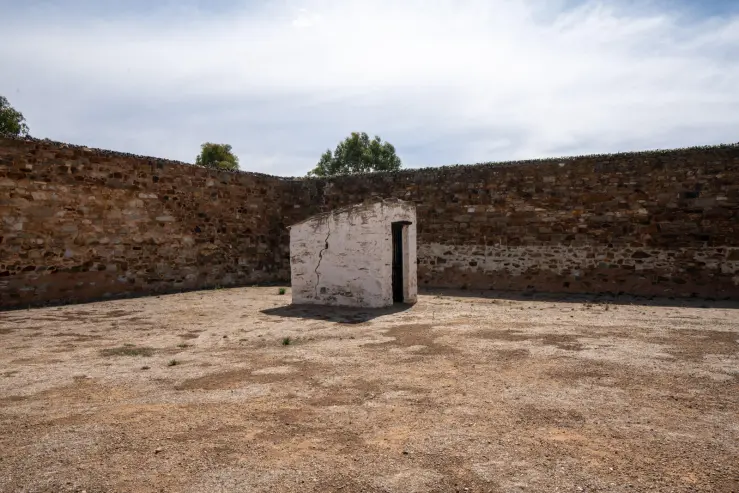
x=201 y=392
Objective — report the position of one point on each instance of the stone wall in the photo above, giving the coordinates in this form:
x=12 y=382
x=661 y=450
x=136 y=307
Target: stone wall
x=80 y=224
x=656 y=223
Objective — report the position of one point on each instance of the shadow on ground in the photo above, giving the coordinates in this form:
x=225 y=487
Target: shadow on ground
x=342 y=315
x=612 y=299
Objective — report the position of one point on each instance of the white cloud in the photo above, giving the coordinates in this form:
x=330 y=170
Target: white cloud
x=445 y=81
x=306 y=19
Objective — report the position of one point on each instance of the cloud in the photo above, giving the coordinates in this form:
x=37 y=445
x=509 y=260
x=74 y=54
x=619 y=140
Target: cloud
x=445 y=82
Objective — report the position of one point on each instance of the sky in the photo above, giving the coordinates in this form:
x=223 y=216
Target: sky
x=444 y=81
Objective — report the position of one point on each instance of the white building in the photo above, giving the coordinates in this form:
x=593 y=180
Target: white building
x=363 y=255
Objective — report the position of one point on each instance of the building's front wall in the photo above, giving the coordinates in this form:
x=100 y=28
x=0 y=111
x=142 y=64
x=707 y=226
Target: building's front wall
x=350 y=272
x=356 y=267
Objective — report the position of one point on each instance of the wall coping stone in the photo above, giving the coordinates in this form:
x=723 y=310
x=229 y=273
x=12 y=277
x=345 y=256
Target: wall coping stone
x=405 y=171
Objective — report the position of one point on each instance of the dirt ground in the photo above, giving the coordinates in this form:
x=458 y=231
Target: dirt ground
x=201 y=392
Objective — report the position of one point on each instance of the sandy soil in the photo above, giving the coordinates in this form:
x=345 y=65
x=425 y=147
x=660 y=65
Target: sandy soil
x=458 y=393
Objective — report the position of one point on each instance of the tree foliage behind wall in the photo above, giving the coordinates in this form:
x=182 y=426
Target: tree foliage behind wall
x=357 y=154
x=217 y=156
x=12 y=121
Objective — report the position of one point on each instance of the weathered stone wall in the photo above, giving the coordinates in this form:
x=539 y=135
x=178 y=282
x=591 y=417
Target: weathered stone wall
x=78 y=224
x=655 y=223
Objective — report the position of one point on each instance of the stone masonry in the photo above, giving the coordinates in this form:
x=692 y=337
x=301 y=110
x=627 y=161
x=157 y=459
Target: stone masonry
x=78 y=224
x=662 y=223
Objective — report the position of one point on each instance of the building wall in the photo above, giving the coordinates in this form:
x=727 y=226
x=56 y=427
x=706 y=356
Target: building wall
x=79 y=224
x=345 y=257
x=656 y=223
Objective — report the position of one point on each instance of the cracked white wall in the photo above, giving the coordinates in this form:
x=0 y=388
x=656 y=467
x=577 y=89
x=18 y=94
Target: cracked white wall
x=345 y=257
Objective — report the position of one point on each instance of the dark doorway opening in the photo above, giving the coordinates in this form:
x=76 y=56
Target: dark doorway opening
x=397 y=229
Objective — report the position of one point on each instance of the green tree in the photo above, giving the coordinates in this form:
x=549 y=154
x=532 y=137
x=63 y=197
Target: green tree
x=357 y=154
x=217 y=156
x=11 y=120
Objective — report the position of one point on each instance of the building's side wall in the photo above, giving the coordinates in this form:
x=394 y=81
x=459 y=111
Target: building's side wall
x=340 y=259
x=395 y=213
x=79 y=224
x=658 y=223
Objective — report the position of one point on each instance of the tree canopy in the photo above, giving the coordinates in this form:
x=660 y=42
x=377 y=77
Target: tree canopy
x=11 y=120
x=217 y=156
x=357 y=154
